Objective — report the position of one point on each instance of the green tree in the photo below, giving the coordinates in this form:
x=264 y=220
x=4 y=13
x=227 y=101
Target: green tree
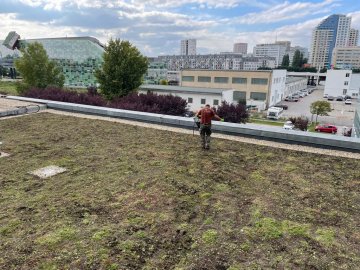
x=164 y=82
x=320 y=108
x=285 y=61
x=297 y=59
x=37 y=70
x=323 y=70
x=122 y=70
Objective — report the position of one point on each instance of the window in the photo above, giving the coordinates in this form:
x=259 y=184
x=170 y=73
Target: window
x=216 y=102
x=239 y=80
x=239 y=95
x=204 y=79
x=221 y=80
x=203 y=101
x=259 y=81
x=347 y=75
x=188 y=78
x=258 y=96
x=344 y=91
x=346 y=83
x=190 y=100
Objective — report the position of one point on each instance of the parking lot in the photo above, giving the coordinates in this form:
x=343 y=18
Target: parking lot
x=341 y=115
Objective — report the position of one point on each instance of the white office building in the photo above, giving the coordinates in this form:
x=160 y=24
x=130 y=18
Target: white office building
x=341 y=83
x=295 y=84
x=273 y=50
x=188 y=47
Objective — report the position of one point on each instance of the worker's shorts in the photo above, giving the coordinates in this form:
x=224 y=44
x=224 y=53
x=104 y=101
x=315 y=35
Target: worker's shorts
x=205 y=129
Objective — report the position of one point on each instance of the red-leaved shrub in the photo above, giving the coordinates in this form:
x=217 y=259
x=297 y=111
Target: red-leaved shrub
x=152 y=103
x=232 y=113
x=300 y=122
x=58 y=94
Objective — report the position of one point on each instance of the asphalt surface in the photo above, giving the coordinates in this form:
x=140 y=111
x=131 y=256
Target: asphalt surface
x=341 y=116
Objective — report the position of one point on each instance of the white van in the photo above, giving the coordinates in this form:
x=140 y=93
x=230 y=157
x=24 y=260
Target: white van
x=274 y=113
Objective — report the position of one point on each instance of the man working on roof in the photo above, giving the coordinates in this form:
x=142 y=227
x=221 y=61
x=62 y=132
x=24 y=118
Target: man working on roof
x=206 y=115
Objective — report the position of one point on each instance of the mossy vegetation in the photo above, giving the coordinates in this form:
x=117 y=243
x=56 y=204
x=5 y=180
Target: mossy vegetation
x=8 y=88
x=139 y=198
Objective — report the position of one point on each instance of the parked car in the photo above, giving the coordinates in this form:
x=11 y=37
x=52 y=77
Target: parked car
x=291 y=99
x=339 y=98
x=347 y=97
x=326 y=128
x=301 y=94
x=348 y=101
x=285 y=107
x=326 y=96
x=331 y=98
x=288 y=125
x=306 y=92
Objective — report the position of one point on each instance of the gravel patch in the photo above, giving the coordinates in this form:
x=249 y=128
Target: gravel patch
x=293 y=147
x=7 y=104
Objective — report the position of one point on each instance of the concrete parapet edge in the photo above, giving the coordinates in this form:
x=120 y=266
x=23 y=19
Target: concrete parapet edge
x=269 y=133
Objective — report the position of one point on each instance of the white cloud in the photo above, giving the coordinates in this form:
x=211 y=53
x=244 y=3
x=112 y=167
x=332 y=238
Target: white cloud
x=27 y=30
x=286 y=11
x=143 y=4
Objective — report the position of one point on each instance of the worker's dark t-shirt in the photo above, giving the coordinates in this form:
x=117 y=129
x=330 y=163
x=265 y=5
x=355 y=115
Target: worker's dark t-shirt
x=206 y=115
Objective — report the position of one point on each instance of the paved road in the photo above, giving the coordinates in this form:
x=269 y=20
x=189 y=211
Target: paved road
x=341 y=115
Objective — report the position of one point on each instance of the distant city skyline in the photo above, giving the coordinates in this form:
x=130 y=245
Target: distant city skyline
x=157 y=27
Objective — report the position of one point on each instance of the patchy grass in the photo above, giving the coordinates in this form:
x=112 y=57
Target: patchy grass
x=267 y=122
x=137 y=198
x=8 y=88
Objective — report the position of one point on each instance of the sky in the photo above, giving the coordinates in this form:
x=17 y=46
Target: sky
x=157 y=26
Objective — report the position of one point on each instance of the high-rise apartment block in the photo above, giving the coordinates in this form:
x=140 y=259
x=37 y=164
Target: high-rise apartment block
x=188 y=47
x=332 y=32
x=240 y=48
x=353 y=38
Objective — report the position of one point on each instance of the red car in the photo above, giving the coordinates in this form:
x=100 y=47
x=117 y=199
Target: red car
x=326 y=128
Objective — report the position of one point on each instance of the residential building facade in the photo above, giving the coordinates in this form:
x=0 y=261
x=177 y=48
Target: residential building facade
x=353 y=38
x=240 y=48
x=188 y=47
x=346 y=57
x=332 y=32
x=216 y=62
